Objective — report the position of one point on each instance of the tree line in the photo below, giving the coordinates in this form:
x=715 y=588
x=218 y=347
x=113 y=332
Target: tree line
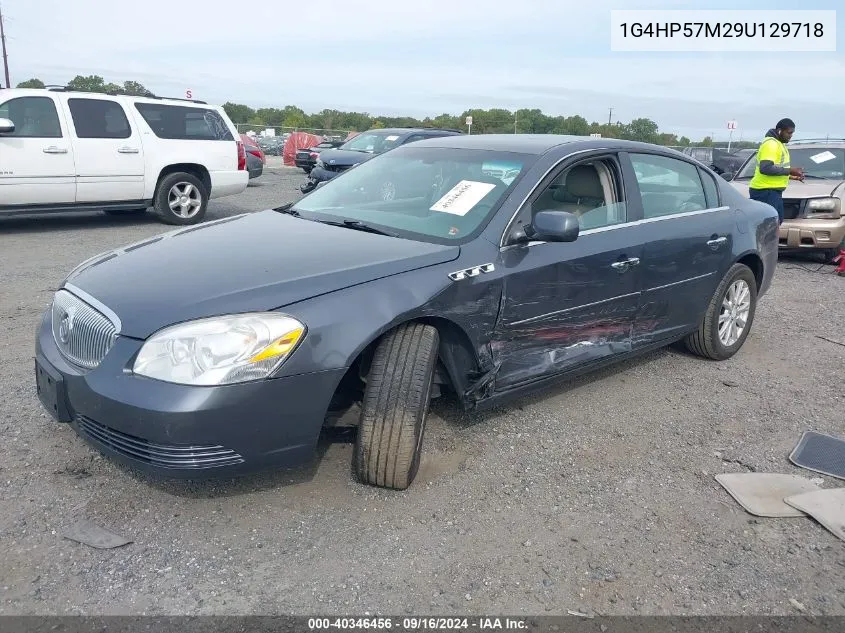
x=492 y=121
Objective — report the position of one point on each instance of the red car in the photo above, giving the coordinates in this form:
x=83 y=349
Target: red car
x=255 y=157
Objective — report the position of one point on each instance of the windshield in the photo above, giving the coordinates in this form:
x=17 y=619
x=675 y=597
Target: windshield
x=372 y=142
x=817 y=162
x=435 y=194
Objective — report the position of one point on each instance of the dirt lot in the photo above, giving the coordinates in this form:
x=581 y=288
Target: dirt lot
x=597 y=496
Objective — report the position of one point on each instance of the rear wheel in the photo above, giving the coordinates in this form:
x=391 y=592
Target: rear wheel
x=395 y=407
x=181 y=199
x=728 y=318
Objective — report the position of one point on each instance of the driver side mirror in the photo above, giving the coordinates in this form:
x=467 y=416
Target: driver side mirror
x=6 y=126
x=550 y=226
x=728 y=175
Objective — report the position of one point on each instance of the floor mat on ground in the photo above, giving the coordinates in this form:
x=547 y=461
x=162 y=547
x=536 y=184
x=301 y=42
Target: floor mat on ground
x=825 y=506
x=762 y=494
x=820 y=453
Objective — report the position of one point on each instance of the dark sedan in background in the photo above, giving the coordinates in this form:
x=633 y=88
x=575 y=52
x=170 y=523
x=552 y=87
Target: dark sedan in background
x=332 y=162
x=500 y=264
x=306 y=158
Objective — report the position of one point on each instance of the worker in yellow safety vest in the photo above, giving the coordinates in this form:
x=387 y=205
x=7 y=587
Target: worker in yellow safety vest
x=773 y=171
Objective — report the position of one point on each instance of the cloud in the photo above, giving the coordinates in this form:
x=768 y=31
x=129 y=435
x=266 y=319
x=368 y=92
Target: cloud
x=389 y=57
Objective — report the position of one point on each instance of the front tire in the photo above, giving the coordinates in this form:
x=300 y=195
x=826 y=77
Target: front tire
x=181 y=199
x=395 y=407
x=728 y=318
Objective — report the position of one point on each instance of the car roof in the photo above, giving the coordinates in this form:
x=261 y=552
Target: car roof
x=411 y=130
x=40 y=92
x=836 y=143
x=540 y=143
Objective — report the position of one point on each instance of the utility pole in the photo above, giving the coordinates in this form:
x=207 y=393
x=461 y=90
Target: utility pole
x=609 y=117
x=5 y=57
x=514 y=121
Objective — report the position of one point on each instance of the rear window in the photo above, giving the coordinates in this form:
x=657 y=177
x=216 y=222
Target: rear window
x=184 y=123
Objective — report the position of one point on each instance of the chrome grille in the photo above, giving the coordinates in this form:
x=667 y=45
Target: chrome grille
x=189 y=457
x=83 y=335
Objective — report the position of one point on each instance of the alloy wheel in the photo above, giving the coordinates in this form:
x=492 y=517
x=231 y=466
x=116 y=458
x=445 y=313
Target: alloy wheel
x=184 y=199
x=733 y=317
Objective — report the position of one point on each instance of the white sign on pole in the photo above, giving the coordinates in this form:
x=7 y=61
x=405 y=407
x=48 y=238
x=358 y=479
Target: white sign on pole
x=189 y=94
x=469 y=120
x=595 y=135
x=731 y=125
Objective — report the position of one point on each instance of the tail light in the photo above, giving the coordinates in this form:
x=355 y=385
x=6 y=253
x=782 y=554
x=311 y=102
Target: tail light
x=241 y=156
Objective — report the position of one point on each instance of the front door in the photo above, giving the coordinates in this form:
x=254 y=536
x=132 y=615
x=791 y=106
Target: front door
x=36 y=159
x=109 y=155
x=570 y=304
x=688 y=248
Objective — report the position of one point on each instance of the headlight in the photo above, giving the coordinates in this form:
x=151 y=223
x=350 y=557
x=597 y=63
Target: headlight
x=220 y=350
x=824 y=205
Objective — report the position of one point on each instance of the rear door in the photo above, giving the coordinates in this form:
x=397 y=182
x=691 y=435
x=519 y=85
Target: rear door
x=109 y=153
x=688 y=248
x=36 y=159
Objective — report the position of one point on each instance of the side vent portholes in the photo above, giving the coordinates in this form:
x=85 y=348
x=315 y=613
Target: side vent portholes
x=471 y=272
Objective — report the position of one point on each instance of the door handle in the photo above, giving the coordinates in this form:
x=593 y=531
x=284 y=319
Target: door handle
x=128 y=150
x=55 y=150
x=714 y=243
x=625 y=264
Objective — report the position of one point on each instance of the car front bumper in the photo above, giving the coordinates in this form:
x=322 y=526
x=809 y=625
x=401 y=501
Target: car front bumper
x=179 y=431
x=319 y=174
x=812 y=233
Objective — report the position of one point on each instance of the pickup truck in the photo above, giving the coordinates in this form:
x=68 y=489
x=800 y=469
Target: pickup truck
x=64 y=151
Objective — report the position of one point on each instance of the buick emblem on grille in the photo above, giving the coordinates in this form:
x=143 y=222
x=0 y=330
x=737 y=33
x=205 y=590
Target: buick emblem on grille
x=65 y=326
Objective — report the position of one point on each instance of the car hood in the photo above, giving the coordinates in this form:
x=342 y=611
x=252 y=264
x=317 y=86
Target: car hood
x=258 y=261
x=344 y=157
x=796 y=189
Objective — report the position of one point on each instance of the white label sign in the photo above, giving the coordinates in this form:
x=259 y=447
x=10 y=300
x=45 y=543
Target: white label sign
x=731 y=125
x=469 y=120
x=823 y=157
x=392 y=137
x=463 y=197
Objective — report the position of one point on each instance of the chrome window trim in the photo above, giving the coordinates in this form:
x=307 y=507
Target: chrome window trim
x=545 y=175
x=105 y=310
x=622 y=225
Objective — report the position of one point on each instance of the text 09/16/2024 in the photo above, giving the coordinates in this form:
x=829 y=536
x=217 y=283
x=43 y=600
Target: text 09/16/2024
x=723 y=30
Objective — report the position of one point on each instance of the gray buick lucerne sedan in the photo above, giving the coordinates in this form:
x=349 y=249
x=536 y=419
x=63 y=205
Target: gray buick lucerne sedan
x=477 y=267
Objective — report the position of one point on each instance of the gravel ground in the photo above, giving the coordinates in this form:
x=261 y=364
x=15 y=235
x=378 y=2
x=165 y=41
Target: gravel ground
x=597 y=496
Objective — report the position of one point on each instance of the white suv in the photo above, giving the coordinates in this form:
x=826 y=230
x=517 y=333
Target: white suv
x=73 y=151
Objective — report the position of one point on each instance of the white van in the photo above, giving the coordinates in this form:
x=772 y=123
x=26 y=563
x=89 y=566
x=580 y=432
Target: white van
x=62 y=150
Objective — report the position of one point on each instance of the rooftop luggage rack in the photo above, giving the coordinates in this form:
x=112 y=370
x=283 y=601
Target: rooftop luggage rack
x=56 y=88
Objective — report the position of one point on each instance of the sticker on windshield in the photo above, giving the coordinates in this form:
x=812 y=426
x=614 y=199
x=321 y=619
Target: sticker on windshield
x=823 y=157
x=463 y=197
x=392 y=137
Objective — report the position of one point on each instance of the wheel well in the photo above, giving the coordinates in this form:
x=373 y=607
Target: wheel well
x=191 y=168
x=753 y=261
x=456 y=361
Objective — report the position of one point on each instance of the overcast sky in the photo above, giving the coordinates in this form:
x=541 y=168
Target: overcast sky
x=426 y=58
